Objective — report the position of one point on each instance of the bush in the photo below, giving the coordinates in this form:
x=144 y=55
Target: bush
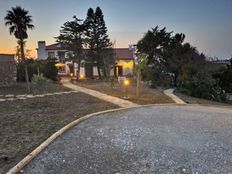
x=157 y=77
x=203 y=86
x=45 y=67
x=32 y=69
x=48 y=69
x=225 y=78
x=38 y=83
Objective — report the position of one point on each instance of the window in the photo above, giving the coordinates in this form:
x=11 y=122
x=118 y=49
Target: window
x=51 y=54
x=61 y=55
x=61 y=69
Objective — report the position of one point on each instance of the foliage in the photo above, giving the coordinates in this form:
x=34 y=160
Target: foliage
x=98 y=42
x=169 y=53
x=38 y=83
x=225 y=78
x=32 y=69
x=72 y=38
x=19 y=21
x=46 y=67
x=203 y=86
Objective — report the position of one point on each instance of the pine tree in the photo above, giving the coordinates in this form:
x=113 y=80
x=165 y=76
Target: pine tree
x=72 y=38
x=90 y=34
x=98 y=41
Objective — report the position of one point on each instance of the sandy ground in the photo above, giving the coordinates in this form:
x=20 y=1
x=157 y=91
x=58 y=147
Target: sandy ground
x=25 y=124
x=147 y=95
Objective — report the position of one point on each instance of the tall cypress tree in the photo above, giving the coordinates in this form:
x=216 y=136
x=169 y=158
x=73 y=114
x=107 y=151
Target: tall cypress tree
x=98 y=40
x=90 y=33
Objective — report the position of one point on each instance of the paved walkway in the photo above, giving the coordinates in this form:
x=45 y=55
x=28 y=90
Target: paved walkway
x=108 y=98
x=157 y=139
x=177 y=100
x=12 y=97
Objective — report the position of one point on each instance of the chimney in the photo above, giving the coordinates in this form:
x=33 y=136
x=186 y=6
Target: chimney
x=41 y=51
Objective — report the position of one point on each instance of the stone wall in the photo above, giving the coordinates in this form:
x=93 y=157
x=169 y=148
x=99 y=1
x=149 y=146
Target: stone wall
x=8 y=71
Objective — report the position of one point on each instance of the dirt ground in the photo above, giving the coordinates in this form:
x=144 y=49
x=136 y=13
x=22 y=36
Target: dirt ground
x=20 y=88
x=25 y=124
x=147 y=95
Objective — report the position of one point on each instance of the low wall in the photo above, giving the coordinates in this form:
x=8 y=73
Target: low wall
x=8 y=71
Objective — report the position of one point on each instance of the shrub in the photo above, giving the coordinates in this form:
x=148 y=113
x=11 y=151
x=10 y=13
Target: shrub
x=48 y=69
x=225 y=78
x=32 y=69
x=156 y=77
x=39 y=83
x=203 y=86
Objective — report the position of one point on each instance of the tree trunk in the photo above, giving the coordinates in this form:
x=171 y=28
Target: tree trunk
x=99 y=72
x=175 y=78
x=138 y=83
x=104 y=69
x=27 y=77
x=79 y=69
x=25 y=64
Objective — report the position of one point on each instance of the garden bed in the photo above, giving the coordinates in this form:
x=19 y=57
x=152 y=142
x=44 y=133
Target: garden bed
x=146 y=96
x=194 y=100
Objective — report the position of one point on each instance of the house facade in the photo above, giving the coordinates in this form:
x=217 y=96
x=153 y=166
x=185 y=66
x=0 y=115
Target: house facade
x=124 y=61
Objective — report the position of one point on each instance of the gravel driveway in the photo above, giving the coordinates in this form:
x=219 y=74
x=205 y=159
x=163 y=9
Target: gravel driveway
x=157 y=139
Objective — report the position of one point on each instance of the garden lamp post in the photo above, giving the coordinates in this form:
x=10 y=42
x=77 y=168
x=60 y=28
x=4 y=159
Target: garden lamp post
x=126 y=83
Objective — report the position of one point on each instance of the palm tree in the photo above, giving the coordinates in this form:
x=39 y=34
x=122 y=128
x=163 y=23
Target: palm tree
x=19 y=21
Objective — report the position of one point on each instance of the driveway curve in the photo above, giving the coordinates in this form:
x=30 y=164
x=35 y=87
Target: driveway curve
x=155 y=139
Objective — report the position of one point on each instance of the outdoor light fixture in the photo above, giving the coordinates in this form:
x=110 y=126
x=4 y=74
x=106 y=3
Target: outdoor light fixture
x=81 y=76
x=126 y=83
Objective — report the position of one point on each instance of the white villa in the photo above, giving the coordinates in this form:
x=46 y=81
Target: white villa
x=124 y=60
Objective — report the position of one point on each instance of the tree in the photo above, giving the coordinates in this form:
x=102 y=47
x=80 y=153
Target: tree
x=167 y=54
x=72 y=38
x=98 y=41
x=90 y=35
x=141 y=65
x=225 y=77
x=19 y=21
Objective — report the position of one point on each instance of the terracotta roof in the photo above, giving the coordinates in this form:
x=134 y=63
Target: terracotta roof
x=54 y=47
x=123 y=53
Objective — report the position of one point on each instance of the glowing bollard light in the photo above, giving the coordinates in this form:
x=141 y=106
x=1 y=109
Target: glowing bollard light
x=126 y=84
x=81 y=77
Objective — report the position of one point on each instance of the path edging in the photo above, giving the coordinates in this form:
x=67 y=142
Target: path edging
x=176 y=99
x=18 y=167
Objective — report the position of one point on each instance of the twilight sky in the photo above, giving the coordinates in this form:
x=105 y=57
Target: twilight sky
x=207 y=24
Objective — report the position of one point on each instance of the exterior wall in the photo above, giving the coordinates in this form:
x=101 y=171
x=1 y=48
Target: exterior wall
x=67 y=71
x=127 y=66
x=41 y=52
x=56 y=53
x=8 y=71
x=95 y=72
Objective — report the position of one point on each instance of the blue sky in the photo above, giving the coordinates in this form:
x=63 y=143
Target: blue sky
x=207 y=24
